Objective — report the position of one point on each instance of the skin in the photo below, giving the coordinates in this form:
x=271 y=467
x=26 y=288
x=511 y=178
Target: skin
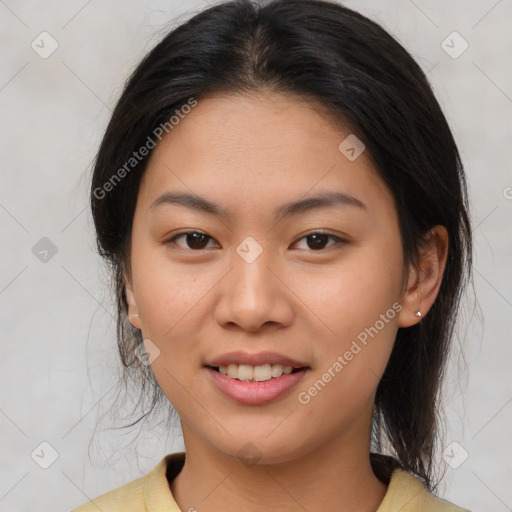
x=252 y=153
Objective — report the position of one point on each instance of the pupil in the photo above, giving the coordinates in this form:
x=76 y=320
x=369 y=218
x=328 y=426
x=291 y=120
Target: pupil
x=319 y=240
x=195 y=239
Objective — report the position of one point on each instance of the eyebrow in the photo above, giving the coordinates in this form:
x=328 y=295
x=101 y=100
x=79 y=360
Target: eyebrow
x=322 y=200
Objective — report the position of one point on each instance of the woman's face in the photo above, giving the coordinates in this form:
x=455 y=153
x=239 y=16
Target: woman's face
x=261 y=279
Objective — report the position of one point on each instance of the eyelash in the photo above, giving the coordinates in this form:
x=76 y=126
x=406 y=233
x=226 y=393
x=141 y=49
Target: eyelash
x=329 y=235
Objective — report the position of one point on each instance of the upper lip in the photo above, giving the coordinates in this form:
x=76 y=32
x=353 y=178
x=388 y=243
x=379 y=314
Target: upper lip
x=256 y=359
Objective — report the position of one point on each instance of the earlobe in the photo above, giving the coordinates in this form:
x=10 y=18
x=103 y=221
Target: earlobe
x=425 y=280
x=411 y=301
x=133 y=311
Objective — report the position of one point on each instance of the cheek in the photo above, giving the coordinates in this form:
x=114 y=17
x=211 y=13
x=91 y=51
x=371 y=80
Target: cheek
x=353 y=294
x=169 y=301
x=358 y=306
x=352 y=357
x=167 y=295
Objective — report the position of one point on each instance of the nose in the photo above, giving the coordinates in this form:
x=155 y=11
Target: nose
x=254 y=294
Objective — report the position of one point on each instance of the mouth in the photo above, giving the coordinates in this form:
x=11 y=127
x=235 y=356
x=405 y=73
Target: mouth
x=255 y=385
x=260 y=373
x=255 y=367
x=255 y=378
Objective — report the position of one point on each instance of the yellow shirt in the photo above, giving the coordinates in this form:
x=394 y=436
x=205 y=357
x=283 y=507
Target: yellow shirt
x=151 y=493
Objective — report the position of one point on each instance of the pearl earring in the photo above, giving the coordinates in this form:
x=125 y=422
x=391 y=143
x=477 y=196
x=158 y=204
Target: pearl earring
x=418 y=314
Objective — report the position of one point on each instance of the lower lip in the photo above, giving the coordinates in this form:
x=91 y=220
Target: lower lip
x=255 y=393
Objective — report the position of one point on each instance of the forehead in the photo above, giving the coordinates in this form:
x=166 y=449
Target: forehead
x=258 y=145
x=270 y=121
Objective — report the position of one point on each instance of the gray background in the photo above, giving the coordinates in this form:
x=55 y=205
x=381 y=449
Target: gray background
x=59 y=361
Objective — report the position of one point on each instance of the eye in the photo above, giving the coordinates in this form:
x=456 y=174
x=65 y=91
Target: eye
x=317 y=240
x=194 y=239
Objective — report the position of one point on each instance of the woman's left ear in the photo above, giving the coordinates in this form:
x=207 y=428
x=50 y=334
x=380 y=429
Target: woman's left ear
x=425 y=280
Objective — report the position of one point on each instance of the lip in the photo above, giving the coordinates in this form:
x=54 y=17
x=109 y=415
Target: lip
x=255 y=393
x=256 y=359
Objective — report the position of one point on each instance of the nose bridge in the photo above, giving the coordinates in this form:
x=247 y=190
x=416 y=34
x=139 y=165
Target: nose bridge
x=251 y=294
x=251 y=274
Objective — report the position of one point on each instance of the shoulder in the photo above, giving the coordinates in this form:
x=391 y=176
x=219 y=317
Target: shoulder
x=128 y=497
x=407 y=494
x=149 y=492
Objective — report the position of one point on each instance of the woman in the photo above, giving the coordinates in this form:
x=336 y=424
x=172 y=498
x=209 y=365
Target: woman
x=284 y=212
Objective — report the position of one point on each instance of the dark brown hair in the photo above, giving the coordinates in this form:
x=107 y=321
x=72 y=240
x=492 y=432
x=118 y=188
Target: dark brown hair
x=365 y=78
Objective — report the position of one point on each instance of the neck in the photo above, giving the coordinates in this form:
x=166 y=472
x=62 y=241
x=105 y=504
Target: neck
x=335 y=476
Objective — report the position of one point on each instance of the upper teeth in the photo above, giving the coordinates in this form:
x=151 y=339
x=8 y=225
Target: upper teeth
x=258 y=373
